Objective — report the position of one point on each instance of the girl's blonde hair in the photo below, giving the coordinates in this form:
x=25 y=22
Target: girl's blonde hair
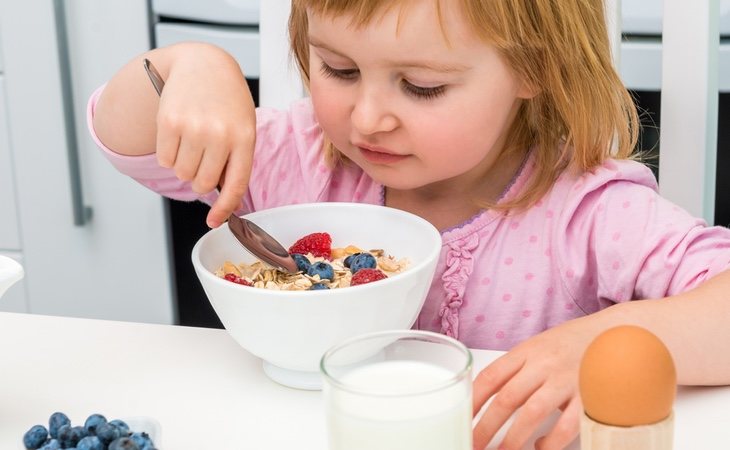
x=582 y=113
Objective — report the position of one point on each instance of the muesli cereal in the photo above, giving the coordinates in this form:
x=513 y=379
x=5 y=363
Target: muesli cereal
x=320 y=267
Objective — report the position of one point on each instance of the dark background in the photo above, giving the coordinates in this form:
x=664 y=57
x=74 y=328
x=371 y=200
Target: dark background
x=187 y=225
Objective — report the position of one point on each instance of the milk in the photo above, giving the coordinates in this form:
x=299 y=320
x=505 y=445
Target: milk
x=412 y=415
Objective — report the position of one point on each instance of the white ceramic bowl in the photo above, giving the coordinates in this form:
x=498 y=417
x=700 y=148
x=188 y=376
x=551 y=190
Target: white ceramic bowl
x=291 y=330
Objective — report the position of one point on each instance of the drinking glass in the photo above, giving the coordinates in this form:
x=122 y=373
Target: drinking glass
x=398 y=390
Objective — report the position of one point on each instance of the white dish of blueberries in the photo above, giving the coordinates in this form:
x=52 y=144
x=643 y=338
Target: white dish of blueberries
x=97 y=433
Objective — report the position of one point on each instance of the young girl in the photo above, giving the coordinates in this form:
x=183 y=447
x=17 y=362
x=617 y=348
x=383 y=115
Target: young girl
x=504 y=124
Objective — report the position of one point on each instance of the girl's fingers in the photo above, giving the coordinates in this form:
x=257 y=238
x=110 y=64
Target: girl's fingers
x=227 y=203
x=565 y=430
x=491 y=379
x=535 y=410
x=189 y=155
x=513 y=395
x=168 y=141
x=210 y=170
x=237 y=172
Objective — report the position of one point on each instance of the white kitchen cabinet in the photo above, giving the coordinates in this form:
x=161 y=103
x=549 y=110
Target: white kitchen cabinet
x=241 y=42
x=15 y=298
x=9 y=234
x=116 y=265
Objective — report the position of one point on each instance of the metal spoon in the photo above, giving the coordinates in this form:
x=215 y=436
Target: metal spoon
x=251 y=236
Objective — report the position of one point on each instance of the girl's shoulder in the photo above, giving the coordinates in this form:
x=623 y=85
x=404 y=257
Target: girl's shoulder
x=616 y=188
x=287 y=141
x=300 y=110
x=612 y=174
x=296 y=124
x=573 y=193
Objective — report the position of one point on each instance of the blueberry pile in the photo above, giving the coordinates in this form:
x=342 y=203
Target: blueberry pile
x=354 y=262
x=359 y=261
x=96 y=434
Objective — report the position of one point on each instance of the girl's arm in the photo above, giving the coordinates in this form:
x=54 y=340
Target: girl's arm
x=202 y=126
x=693 y=325
x=541 y=374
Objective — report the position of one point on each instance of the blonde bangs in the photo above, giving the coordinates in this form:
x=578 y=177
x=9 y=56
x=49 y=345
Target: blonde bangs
x=582 y=113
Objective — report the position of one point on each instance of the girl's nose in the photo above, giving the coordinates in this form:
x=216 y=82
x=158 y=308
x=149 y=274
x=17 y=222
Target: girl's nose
x=372 y=113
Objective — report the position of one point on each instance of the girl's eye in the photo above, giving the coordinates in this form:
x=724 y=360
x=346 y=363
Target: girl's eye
x=424 y=93
x=419 y=92
x=342 y=74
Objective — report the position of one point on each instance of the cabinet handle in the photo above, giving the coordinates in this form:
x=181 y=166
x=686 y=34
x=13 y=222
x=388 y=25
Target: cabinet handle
x=81 y=212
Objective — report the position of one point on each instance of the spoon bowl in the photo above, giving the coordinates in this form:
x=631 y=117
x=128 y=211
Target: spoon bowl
x=261 y=244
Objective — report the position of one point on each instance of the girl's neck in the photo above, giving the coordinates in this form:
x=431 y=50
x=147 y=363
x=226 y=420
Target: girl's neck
x=449 y=203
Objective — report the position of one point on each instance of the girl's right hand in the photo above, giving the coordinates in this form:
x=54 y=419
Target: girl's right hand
x=206 y=127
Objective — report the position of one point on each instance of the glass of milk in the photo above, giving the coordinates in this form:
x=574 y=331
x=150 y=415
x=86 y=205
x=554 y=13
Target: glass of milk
x=398 y=390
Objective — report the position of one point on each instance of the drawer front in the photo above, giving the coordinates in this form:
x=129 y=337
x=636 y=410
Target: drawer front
x=645 y=17
x=641 y=64
x=9 y=234
x=242 y=43
x=15 y=298
x=243 y=12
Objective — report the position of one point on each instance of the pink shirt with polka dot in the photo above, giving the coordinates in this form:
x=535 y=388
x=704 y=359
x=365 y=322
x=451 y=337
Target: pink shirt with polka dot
x=595 y=239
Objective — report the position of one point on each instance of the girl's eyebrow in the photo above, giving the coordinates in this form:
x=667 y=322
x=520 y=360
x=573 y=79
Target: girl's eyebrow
x=405 y=64
x=315 y=43
x=434 y=66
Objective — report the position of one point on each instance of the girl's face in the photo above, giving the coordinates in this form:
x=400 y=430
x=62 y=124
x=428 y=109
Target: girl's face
x=410 y=108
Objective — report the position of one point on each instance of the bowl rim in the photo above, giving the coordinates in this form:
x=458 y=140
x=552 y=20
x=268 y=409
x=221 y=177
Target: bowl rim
x=431 y=258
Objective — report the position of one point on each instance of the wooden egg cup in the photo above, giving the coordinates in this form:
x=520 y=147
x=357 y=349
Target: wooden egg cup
x=599 y=436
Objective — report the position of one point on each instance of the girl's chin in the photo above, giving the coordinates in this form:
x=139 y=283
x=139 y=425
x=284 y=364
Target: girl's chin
x=396 y=180
x=393 y=176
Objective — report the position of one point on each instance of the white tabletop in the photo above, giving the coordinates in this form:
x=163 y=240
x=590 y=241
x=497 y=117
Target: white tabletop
x=204 y=390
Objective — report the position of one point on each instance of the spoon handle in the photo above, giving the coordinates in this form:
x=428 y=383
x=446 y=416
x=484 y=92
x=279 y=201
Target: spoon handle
x=154 y=75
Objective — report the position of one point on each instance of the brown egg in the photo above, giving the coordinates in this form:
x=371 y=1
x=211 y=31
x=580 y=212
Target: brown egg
x=627 y=378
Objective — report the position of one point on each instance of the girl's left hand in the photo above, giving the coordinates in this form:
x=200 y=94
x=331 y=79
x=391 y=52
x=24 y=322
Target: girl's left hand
x=538 y=377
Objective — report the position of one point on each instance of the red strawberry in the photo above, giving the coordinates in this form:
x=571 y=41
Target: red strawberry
x=363 y=276
x=318 y=244
x=232 y=277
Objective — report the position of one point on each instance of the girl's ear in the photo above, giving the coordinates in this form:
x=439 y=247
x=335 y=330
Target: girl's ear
x=527 y=90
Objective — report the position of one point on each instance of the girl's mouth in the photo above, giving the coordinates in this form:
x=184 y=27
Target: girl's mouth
x=380 y=157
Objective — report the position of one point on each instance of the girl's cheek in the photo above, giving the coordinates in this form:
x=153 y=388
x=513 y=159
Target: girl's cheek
x=327 y=121
x=328 y=107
